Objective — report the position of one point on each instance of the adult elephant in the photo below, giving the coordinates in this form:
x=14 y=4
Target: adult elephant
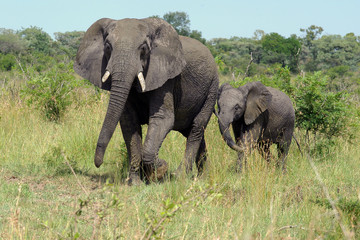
x=260 y=116
x=155 y=77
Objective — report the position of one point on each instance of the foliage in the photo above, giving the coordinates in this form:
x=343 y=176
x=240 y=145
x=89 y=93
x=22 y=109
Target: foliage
x=7 y=62
x=235 y=53
x=37 y=40
x=281 y=50
x=69 y=42
x=10 y=42
x=350 y=208
x=276 y=77
x=180 y=21
x=51 y=91
x=282 y=79
x=318 y=110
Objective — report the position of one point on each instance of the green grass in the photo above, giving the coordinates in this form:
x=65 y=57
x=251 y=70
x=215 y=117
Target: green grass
x=42 y=199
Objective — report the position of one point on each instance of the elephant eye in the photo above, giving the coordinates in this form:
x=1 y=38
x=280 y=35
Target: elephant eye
x=107 y=48
x=144 y=49
x=237 y=107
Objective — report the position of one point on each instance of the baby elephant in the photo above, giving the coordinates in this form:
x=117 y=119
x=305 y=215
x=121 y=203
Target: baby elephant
x=260 y=116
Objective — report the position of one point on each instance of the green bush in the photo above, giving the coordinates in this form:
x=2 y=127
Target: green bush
x=318 y=110
x=51 y=91
x=7 y=62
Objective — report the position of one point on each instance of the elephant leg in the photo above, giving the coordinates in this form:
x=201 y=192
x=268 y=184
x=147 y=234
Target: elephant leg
x=264 y=149
x=201 y=157
x=283 y=149
x=241 y=160
x=248 y=141
x=161 y=122
x=131 y=130
x=195 y=144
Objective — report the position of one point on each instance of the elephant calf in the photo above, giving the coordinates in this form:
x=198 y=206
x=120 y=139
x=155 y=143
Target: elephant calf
x=260 y=116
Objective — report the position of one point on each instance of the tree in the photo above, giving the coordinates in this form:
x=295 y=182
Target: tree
x=180 y=21
x=197 y=35
x=236 y=53
x=37 y=40
x=258 y=34
x=10 y=42
x=335 y=50
x=309 y=55
x=69 y=42
x=281 y=50
x=312 y=33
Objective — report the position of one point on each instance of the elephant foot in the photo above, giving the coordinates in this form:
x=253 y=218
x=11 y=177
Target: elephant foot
x=134 y=179
x=181 y=173
x=161 y=168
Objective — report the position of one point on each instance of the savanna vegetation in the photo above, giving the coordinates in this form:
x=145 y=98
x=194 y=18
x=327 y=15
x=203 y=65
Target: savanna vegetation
x=50 y=119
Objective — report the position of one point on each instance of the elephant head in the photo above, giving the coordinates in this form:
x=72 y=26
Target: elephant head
x=246 y=102
x=117 y=55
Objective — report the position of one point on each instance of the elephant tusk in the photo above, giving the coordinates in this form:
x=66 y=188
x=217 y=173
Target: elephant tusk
x=142 y=81
x=106 y=76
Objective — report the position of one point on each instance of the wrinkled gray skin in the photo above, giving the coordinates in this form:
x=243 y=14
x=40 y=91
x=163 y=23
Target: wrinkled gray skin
x=260 y=116
x=180 y=94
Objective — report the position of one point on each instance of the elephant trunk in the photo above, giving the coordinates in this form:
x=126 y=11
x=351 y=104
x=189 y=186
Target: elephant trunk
x=225 y=132
x=120 y=88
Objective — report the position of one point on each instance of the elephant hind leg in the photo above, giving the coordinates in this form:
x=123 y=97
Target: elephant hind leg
x=201 y=157
x=283 y=149
x=264 y=149
x=195 y=144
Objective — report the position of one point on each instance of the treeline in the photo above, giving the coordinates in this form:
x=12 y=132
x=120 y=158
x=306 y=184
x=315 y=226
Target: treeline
x=308 y=53
x=34 y=47
x=338 y=55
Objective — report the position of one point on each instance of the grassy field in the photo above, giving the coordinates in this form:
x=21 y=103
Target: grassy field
x=50 y=188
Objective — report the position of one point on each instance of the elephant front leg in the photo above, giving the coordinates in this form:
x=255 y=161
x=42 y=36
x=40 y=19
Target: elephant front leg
x=247 y=142
x=161 y=122
x=131 y=130
x=159 y=127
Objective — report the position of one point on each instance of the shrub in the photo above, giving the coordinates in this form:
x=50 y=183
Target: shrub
x=51 y=91
x=318 y=110
x=7 y=62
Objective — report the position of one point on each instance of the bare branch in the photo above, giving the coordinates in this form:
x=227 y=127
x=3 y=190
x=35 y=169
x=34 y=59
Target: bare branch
x=248 y=66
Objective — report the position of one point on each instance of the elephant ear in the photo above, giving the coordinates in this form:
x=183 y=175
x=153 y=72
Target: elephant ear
x=167 y=58
x=90 y=62
x=258 y=101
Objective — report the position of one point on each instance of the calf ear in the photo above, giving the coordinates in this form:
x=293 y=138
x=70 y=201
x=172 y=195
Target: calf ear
x=257 y=102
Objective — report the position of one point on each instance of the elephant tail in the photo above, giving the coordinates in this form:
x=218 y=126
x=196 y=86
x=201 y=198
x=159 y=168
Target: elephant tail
x=297 y=143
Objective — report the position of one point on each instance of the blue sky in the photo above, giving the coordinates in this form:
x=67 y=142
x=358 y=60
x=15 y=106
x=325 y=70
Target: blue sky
x=214 y=18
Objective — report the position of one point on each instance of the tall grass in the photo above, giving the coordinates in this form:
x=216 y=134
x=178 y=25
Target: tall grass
x=41 y=163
